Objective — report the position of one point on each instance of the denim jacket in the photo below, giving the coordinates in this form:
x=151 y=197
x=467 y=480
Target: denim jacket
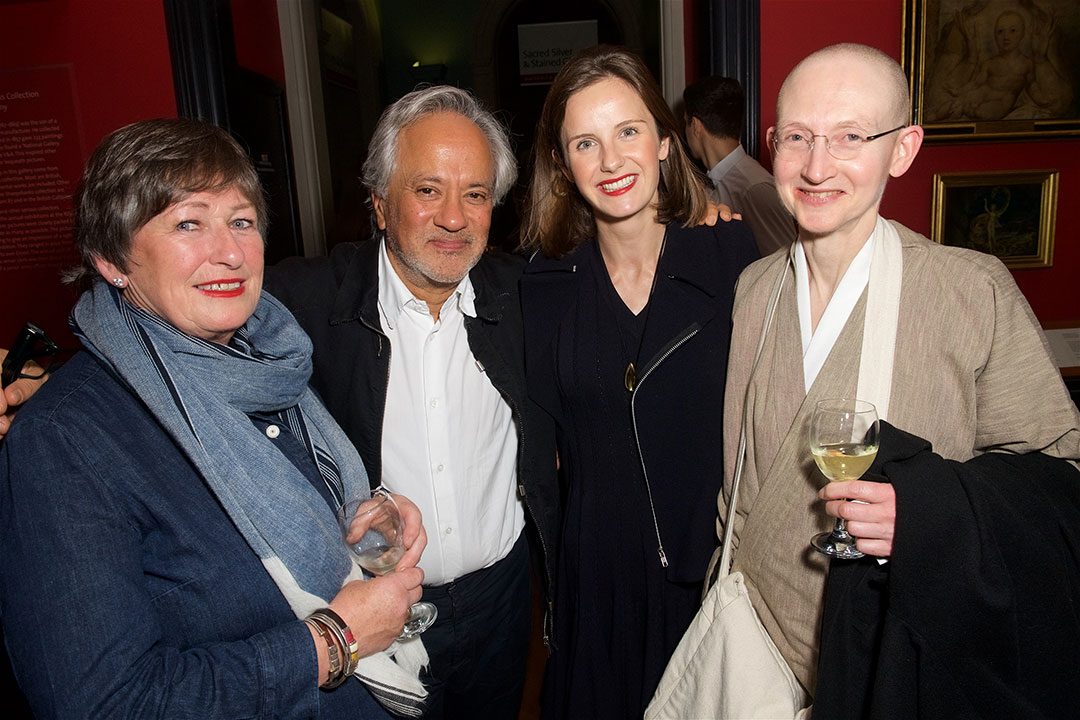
x=125 y=590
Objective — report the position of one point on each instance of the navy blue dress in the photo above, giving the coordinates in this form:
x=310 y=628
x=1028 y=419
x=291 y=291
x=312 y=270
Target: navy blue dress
x=619 y=612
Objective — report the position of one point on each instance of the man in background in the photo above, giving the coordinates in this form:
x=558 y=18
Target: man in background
x=715 y=107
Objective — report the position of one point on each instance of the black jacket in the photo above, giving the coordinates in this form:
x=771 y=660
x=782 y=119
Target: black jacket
x=977 y=614
x=679 y=399
x=335 y=299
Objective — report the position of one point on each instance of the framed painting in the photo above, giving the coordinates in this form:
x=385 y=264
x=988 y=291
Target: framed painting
x=1007 y=214
x=993 y=69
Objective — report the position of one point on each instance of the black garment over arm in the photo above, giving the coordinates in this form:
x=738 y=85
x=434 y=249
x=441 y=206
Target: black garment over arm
x=977 y=613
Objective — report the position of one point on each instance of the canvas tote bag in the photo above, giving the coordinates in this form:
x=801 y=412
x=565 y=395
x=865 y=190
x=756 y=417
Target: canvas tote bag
x=726 y=666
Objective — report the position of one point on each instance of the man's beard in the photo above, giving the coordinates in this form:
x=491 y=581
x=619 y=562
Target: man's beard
x=434 y=273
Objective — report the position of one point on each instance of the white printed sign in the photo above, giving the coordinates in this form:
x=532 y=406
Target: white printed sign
x=543 y=48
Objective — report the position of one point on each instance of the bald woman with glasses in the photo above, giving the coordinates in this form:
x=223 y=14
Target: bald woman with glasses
x=968 y=369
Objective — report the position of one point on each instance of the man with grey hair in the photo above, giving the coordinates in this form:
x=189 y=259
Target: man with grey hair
x=418 y=355
x=939 y=338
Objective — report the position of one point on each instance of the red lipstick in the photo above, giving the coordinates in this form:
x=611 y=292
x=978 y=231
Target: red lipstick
x=226 y=288
x=621 y=185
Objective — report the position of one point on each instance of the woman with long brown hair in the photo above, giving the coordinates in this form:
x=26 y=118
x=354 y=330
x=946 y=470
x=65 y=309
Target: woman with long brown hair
x=627 y=307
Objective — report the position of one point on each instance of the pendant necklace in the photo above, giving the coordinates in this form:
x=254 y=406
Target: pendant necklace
x=630 y=376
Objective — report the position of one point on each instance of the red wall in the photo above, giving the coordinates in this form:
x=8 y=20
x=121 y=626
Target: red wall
x=118 y=53
x=690 y=31
x=256 y=33
x=792 y=29
x=119 y=50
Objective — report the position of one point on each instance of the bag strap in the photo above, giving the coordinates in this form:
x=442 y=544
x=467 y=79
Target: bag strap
x=881 y=319
x=724 y=566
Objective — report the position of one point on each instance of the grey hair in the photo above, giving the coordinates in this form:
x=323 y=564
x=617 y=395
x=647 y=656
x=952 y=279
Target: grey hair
x=382 y=151
x=138 y=171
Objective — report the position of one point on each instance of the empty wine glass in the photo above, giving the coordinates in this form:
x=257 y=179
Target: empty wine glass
x=844 y=443
x=371 y=528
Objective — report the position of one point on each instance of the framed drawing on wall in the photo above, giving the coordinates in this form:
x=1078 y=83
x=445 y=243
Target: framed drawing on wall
x=993 y=69
x=1007 y=214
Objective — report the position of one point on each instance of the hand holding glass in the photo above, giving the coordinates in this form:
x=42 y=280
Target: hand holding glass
x=844 y=443
x=372 y=530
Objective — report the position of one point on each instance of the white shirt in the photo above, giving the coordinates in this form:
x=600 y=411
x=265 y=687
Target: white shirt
x=722 y=192
x=449 y=442
x=818 y=344
x=741 y=183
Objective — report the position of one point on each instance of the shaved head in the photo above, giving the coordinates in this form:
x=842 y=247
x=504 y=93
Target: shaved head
x=842 y=90
x=894 y=83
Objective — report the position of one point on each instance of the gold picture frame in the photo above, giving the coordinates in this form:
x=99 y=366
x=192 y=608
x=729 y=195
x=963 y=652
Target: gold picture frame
x=993 y=69
x=1009 y=214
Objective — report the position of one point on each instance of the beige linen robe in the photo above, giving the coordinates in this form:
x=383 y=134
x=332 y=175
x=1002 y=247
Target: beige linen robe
x=972 y=373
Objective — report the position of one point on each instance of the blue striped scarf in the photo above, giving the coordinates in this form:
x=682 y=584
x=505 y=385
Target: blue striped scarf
x=202 y=393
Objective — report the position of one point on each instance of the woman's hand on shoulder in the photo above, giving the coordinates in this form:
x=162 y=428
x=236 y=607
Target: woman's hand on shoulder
x=721 y=211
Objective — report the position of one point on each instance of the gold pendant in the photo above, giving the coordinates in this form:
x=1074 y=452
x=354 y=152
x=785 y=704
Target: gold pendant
x=630 y=377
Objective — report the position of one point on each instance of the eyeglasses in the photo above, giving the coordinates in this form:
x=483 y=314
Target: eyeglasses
x=844 y=145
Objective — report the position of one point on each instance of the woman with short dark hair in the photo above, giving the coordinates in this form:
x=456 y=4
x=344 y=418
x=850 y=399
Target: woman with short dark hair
x=170 y=547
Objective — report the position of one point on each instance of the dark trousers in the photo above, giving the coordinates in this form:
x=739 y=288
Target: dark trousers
x=479 y=643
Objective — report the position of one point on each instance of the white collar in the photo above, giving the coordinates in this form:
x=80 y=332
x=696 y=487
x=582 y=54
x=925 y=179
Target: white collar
x=395 y=296
x=816 y=345
x=729 y=161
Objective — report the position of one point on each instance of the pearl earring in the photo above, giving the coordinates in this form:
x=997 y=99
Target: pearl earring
x=118 y=282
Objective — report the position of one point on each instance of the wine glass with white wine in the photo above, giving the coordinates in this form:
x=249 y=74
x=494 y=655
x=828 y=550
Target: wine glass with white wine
x=844 y=437
x=371 y=528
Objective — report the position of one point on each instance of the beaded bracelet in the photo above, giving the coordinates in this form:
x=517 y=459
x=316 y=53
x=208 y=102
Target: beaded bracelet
x=336 y=674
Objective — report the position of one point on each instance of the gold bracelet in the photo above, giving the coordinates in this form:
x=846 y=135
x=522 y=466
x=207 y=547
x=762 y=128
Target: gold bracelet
x=336 y=675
